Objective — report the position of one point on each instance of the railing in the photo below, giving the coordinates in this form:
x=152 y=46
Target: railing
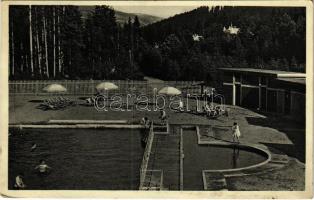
x=146 y=155
x=75 y=87
x=87 y=87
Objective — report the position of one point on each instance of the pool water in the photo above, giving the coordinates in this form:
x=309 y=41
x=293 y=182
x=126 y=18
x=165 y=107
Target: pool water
x=107 y=159
x=207 y=157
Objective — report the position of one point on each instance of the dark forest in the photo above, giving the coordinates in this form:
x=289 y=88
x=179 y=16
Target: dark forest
x=57 y=42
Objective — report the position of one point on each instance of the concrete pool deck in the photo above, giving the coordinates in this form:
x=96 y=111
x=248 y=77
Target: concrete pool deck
x=216 y=179
x=166 y=151
x=264 y=130
x=55 y=124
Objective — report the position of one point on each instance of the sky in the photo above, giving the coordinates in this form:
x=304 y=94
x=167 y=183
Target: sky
x=159 y=11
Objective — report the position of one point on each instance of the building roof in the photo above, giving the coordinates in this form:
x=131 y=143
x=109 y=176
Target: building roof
x=266 y=72
x=231 y=30
x=293 y=80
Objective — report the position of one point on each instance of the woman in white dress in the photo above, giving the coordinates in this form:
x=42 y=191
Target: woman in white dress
x=236 y=132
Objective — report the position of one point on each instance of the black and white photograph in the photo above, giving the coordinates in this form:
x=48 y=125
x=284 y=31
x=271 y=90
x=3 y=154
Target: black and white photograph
x=175 y=97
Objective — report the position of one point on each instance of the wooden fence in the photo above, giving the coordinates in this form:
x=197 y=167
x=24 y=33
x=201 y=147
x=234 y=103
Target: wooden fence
x=87 y=87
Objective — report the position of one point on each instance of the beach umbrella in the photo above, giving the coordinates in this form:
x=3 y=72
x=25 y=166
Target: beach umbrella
x=170 y=91
x=106 y=86
x=54 y=88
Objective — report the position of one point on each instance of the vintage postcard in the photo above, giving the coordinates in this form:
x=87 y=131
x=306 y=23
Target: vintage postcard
x=156 y=99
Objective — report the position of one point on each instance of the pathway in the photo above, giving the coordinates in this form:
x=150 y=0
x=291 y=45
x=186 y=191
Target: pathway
x=165 y=156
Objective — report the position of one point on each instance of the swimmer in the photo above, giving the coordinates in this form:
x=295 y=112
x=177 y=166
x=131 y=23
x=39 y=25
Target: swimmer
x=34 y=146
x=19 y=184
x=42 y=167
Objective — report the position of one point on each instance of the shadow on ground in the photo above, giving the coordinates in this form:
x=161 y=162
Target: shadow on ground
x=293 y=130
x=289 y=149
x=36 y=101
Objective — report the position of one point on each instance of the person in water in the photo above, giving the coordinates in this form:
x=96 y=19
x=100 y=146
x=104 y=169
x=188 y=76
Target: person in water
x=34 y=146
x=19 y=183
x=42 y=167
x=235 y=132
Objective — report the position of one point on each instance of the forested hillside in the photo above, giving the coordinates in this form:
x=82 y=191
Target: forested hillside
x=193 y=45
x=54 y=42
x=122 y=17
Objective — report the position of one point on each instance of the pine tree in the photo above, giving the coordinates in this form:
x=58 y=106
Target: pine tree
x=45 y=32
x=31 y=41
x=136 y=30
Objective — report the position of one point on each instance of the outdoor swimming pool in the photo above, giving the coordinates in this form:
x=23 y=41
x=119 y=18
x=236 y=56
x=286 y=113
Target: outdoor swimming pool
x=208 y=157
x=107 y=159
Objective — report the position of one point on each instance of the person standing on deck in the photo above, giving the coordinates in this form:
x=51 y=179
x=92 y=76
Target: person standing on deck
x=235 y=132
x=163 y=116
x=181 y=105
x=145 y=122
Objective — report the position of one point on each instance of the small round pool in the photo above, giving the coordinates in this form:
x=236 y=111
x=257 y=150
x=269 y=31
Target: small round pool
x=209 y=157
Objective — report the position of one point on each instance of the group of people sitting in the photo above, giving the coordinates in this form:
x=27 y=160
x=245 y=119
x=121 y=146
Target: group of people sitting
x=163 y=117
x=212 y=111
x=56 y=103
x=145 y=122
x=90 y=101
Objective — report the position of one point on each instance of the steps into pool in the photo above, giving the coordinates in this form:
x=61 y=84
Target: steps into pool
x=214 y=181
x=161 y=128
